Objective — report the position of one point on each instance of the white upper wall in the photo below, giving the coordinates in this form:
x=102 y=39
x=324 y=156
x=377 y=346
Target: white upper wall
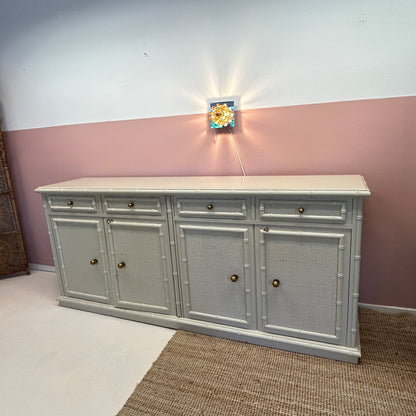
x=78 y=61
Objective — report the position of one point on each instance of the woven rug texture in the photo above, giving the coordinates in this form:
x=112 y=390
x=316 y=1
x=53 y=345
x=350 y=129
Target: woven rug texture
x=201 y=375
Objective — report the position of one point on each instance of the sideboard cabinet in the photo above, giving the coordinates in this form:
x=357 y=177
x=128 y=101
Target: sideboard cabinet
x=270 y=260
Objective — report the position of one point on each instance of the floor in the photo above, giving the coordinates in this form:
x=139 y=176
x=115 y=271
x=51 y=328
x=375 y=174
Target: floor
x=63 y=362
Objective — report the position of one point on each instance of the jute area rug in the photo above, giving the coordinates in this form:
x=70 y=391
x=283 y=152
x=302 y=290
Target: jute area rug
x=201 y=375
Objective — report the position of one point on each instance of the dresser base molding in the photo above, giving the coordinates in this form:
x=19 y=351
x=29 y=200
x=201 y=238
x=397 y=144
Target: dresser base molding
x=298 y=345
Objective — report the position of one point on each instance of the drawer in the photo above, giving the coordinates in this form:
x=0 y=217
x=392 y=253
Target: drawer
x=231 y=208
x=301 y=210
x=129 y=205
x=71 y=203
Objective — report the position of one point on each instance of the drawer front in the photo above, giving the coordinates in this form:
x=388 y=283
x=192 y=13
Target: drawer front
x=133 y=206
x=319 y=211
x=237 y=208
x=71 y=203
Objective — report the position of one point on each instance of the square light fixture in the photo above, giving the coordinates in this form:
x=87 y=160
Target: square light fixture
x=221 y=114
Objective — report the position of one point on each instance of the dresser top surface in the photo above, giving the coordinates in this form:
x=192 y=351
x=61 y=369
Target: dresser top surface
x=351 y=185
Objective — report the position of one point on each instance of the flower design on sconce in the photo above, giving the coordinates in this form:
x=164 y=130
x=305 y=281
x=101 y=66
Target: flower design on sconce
x=221 y=115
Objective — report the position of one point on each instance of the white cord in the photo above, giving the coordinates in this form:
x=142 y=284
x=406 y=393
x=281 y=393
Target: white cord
x=236 y=150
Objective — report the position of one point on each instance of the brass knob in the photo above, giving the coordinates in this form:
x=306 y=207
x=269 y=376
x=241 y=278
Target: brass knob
x=93 y=261
x=130 y=204
x=234 y=277
x=301 y=210
x=276 y=283
x=69 y=203
x=266 y=229
x=121 y=265
x=210 y=207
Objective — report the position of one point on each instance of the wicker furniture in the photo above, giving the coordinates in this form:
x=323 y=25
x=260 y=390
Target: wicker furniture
x=12 y=253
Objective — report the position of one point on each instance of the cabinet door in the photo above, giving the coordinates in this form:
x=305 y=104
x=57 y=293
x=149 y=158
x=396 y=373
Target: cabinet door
x=304 y=282
x=216 y=264
x=141 y=265
x=81 y=254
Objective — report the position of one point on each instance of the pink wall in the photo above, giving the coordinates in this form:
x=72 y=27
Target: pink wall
x=375 y=138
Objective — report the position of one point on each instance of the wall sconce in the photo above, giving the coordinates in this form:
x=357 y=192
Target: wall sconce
x=221 y=114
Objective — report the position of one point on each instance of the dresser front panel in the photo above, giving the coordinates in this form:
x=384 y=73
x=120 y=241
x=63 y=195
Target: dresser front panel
x=337 y=212
x=74 y=203
x=134 y=205
x=211 y=257
x=81 y=253
x=304 y=282
x=140 y=265
x=213 y=208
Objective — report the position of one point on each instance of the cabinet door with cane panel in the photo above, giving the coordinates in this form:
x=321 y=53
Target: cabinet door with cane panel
x=82 y=257
x=216 y=266
x=141 y=264
x=303 y=278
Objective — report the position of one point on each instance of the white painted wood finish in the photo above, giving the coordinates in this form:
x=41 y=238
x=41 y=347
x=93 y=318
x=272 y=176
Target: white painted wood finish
x=82 y=259
x=271 y=260
x=140 y=265
x=343 y=185
x=211 y=258
x=310 y=266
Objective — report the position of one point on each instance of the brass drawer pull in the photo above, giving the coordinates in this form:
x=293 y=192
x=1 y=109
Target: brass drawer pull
x=130 y=204
x=210 y=207
x=121 y=265
x=93 y=261
x=234 y=278
x=301 y=210
x=276 y=283
x=70 y=203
